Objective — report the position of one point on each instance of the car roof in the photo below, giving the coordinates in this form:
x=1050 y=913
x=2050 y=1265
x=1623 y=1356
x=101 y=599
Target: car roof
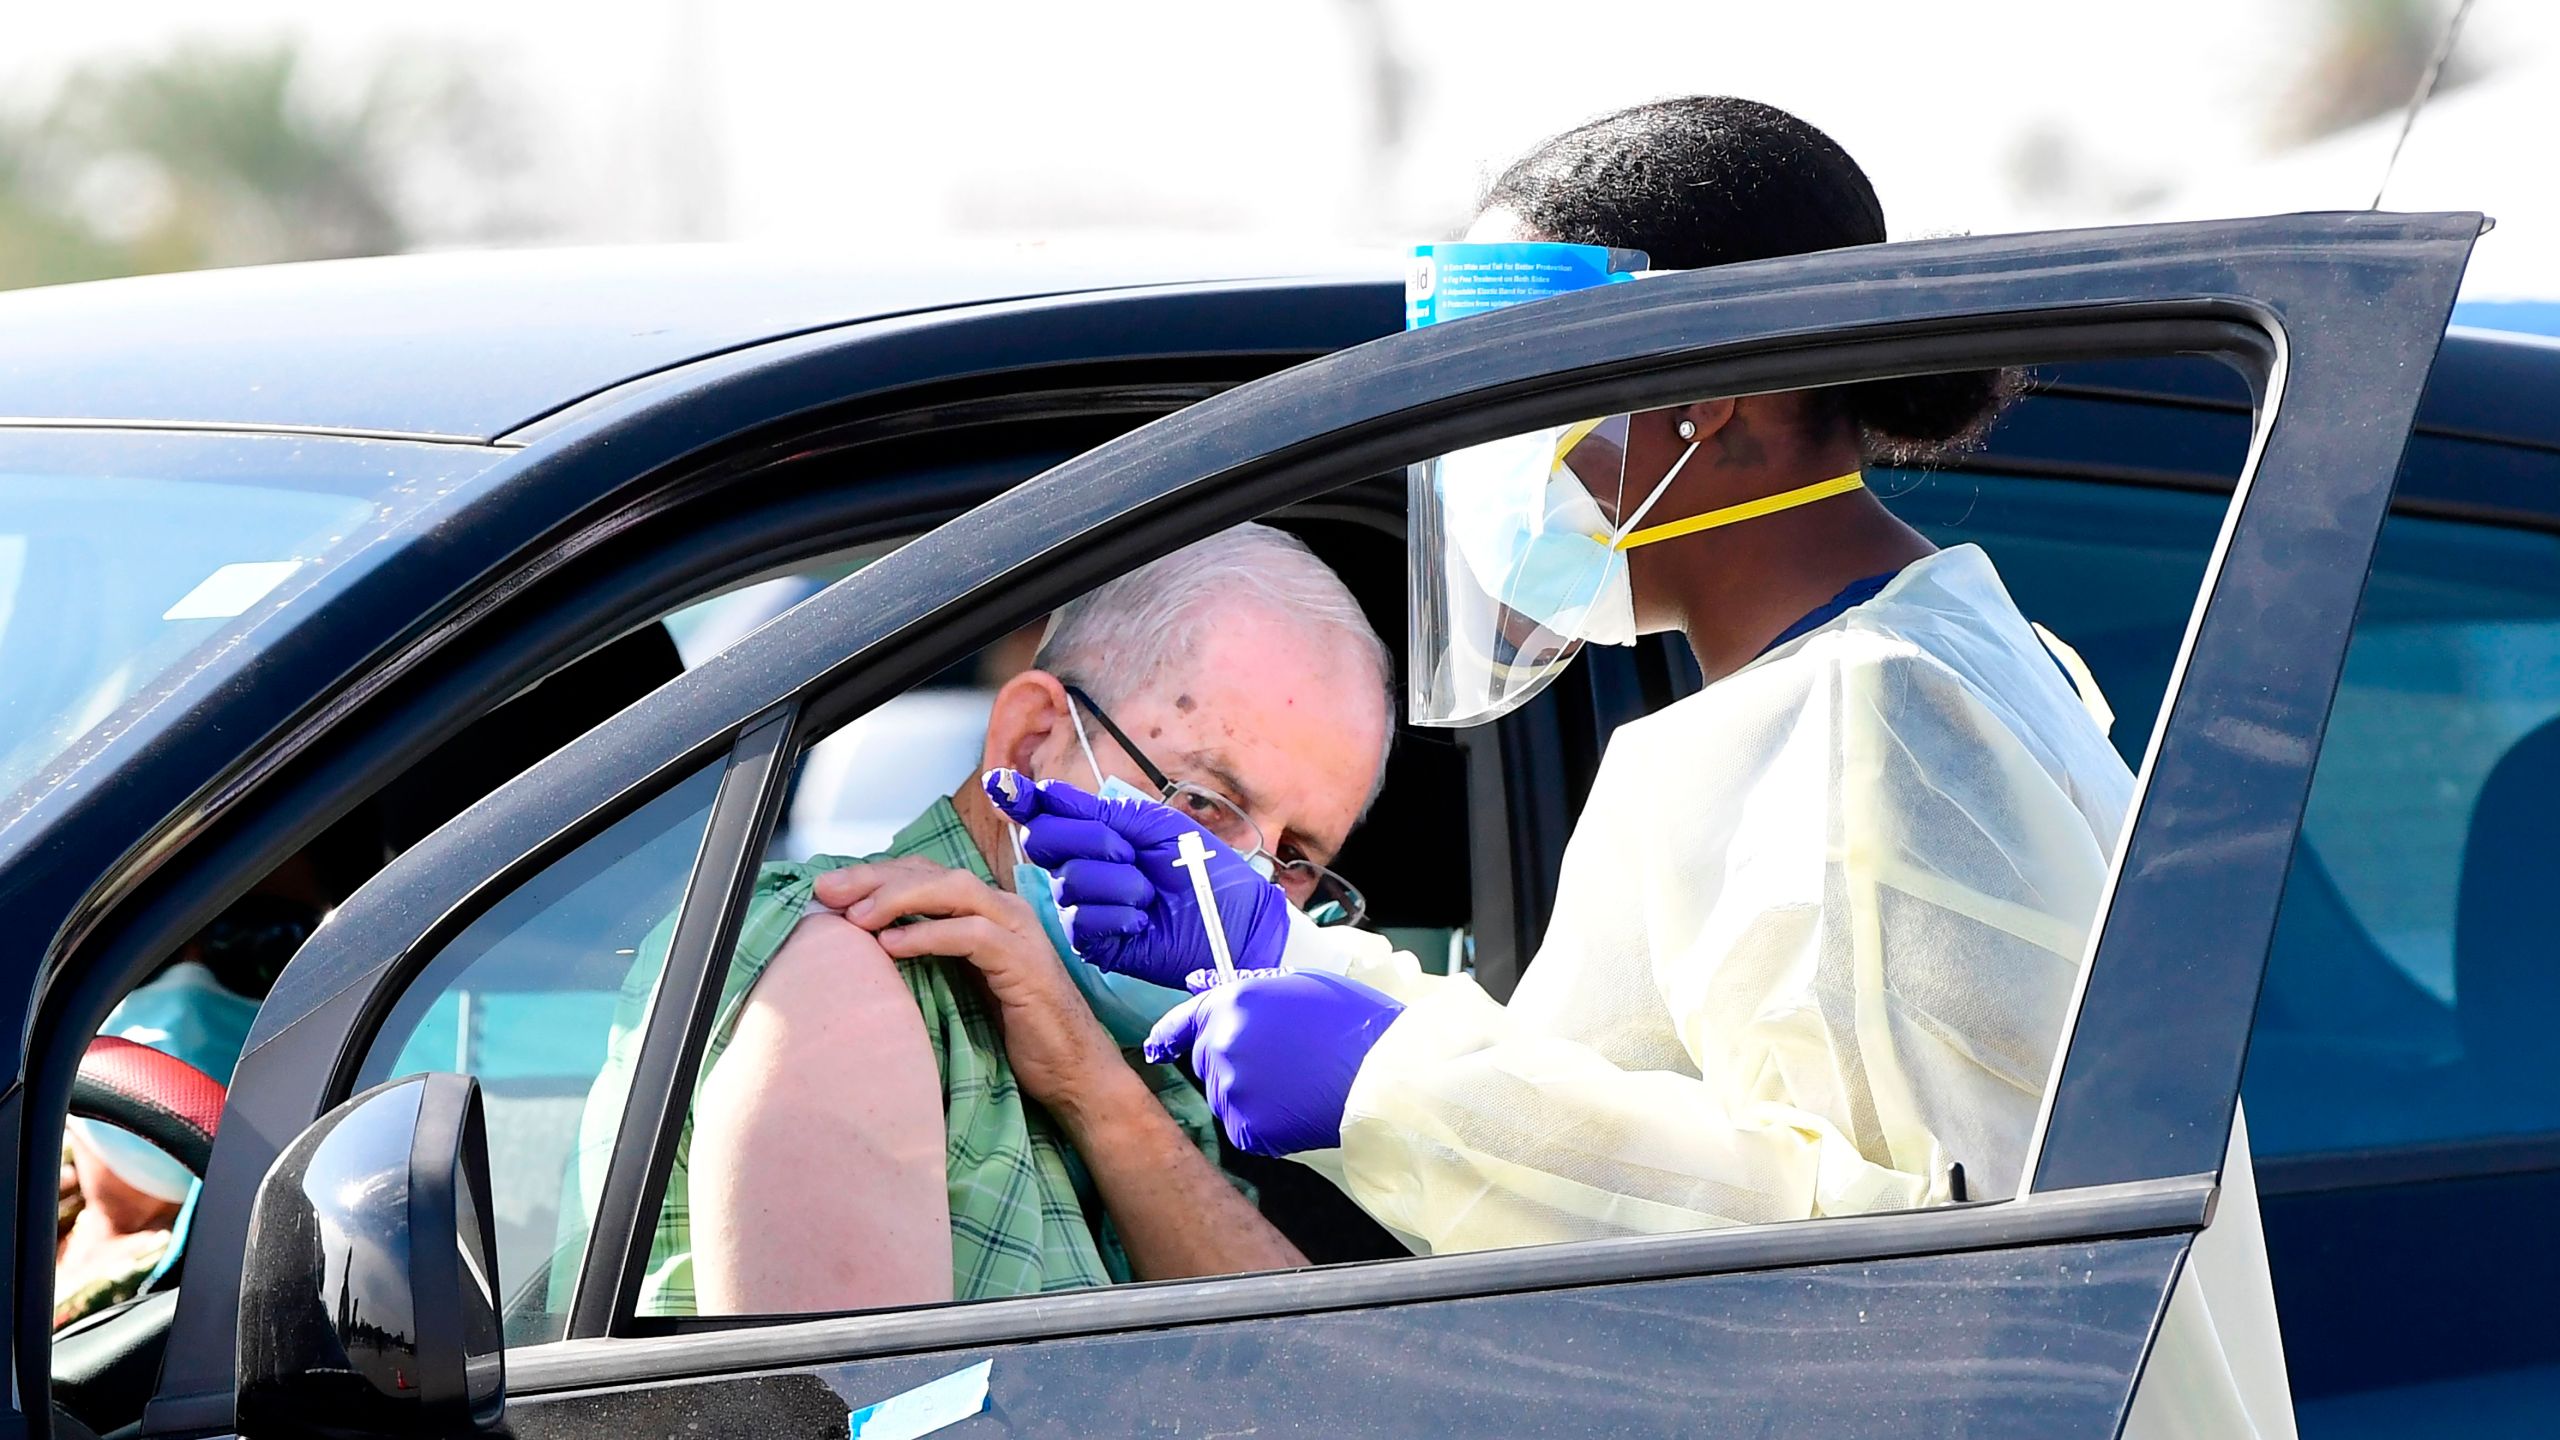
x=469 y=346
x=2515 y=314
x=2489 y=384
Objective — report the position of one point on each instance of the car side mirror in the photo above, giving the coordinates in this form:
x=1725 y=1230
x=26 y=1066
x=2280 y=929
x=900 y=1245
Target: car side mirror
x=368 y=1293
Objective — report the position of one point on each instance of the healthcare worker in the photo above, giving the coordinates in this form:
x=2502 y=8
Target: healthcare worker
x=1818 y=931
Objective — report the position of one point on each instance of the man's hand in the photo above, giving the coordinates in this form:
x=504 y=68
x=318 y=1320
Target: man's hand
x=1060 y=1052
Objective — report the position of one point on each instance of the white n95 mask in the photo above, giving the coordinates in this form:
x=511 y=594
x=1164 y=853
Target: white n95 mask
x=1519 y=554
x=1524 y=519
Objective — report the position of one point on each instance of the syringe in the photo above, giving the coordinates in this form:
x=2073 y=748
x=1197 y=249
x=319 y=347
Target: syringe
x=1195 y=858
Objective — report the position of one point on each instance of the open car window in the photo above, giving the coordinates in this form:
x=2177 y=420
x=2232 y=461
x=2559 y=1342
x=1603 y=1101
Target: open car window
x=524 y=999
x=525 y=1032
x=2115 y=570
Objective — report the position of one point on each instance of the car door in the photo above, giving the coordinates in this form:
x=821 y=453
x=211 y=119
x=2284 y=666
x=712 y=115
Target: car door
x=448 y=666
x=2028 y=1316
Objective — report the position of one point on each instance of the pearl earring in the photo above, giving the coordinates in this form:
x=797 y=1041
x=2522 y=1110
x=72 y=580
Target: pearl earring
x=1688 y=429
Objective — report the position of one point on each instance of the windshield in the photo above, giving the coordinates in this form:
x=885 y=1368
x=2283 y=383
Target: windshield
x=130 y=557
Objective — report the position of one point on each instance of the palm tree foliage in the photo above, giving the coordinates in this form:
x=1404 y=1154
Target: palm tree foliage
x=201 y=157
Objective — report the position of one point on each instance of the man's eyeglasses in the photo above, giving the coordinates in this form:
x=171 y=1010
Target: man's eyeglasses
x=1327 y=898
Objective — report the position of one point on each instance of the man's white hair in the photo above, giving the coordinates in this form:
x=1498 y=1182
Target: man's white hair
x=1125 y=637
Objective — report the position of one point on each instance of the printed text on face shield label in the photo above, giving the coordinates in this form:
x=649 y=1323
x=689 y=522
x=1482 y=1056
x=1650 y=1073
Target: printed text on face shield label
x=1447 y=282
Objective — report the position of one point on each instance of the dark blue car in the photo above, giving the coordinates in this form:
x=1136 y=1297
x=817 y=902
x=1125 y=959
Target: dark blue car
x=414 y=573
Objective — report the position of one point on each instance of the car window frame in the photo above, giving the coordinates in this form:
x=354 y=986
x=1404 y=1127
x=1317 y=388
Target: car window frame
x=2225 y=288
x=1609 y=686
x=495 y=658
x=1524 y=759
x=1007 y=601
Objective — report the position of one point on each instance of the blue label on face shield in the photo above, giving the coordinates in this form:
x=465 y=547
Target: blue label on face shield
x=1448 y=282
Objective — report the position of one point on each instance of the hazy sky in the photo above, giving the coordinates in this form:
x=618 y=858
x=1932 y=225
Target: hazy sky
x=759 y=119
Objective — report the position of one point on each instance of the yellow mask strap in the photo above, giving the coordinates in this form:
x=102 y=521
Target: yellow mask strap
x=1573 y=435
x=1747 y=510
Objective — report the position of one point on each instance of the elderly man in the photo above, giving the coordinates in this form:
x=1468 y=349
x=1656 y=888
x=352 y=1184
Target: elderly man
x=906 y=1098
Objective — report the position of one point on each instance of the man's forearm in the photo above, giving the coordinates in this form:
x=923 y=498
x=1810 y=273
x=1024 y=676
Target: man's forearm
x=1177 y=1213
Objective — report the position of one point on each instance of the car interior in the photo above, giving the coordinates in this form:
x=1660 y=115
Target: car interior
x=848 y=799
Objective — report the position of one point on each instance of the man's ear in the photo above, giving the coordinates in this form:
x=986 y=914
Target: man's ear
x=1029 y=715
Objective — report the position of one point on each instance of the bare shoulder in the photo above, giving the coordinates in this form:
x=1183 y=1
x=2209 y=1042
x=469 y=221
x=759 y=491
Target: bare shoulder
x=830 y=998
x=829 y=957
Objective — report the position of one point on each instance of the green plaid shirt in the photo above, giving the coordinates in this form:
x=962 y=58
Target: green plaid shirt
x=1025 y=1216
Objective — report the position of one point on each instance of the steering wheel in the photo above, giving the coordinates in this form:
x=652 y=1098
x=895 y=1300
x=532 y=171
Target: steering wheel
x=104 y=1365
x=161 y=1098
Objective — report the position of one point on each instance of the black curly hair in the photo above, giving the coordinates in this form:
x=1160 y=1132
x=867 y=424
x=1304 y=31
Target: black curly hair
x=1715 y=180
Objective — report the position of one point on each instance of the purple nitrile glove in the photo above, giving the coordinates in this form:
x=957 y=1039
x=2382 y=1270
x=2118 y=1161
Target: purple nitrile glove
x=1276 y=1051
x=1133 y=911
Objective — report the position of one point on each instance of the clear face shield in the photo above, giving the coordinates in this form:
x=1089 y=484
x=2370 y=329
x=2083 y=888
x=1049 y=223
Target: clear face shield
x=1518 y=552
x=1514 y=566
x=1512 y=561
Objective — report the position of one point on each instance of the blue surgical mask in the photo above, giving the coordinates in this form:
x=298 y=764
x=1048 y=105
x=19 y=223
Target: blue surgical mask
x=1127 y=1007
x=1525 y=519
x=1558 y=568
x=187 y=1013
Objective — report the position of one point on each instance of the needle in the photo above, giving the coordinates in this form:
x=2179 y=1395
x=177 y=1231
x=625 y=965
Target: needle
x=1195 y=858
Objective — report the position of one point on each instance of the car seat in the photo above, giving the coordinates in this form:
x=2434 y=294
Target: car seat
x=2506 y=965
x=2347 y=1047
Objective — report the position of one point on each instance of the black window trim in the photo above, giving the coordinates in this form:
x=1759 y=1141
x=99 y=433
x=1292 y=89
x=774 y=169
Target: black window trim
x=2420 y=1162
x=671 y=1046
x=2429 y=449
